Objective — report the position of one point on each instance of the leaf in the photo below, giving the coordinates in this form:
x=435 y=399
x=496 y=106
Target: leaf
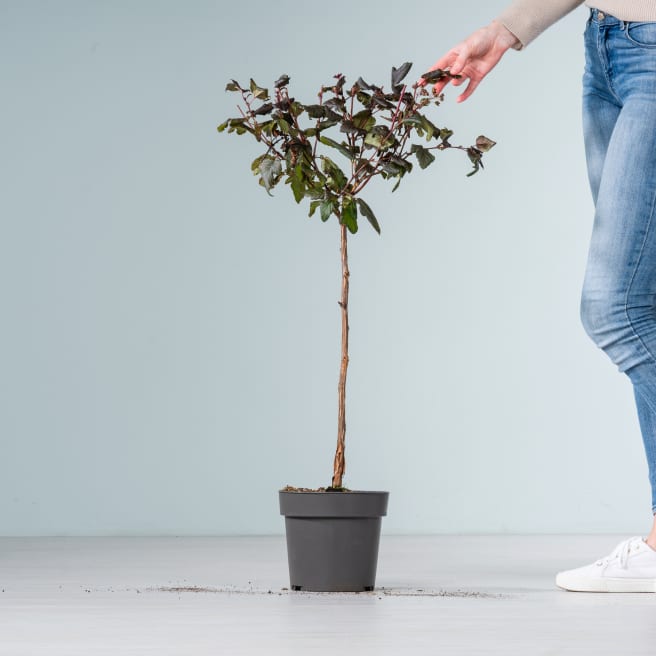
x=313 y=206
x=349 y=216
x=333 y=116
x=315 y=111
x=364 y=98
x=256 y=163
x=414 y=121
x=336 y=177
x=283 y=125
x=324 y=125
x=233 y=85
x=336 y=105
x=363 y=85
x=424 y=156
x=326 y=209
x=403 y=163
x=363 y=166
x=363 y=120
x=266 y=108
x=475 y=156
x=445 y=135
x=298 y=184
x=237 y=125
x=484 y=144
x=381 y=101
x=282 y=81
x=333 y=144
x=368 y=213
x=379 y=137
x=438 y=74
x=349 y=127
x=270 y=170
x=430 y=128
x=259 y=92
x=399 y=73
x=392 y=169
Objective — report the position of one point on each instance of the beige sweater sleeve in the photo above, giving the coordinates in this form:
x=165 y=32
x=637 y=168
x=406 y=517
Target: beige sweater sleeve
x=527 y=19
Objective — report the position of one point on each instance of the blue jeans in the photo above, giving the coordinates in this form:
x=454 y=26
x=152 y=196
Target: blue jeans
x=618 y=299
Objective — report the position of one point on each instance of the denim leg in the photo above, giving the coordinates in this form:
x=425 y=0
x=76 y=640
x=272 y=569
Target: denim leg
x=618 y=300
x=647 y=419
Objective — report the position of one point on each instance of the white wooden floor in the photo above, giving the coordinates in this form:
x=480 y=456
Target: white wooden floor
x=453 y=595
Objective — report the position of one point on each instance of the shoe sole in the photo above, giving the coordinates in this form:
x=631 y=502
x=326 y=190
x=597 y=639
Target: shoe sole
x=577 y=584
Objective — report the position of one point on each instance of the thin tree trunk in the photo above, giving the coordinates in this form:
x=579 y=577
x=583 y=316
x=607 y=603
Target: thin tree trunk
x=339 y=466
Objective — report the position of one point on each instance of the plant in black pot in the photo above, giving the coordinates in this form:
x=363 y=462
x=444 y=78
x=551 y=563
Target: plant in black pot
x=333 y=532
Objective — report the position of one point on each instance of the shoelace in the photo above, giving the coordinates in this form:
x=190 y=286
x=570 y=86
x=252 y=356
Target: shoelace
x=622 y=551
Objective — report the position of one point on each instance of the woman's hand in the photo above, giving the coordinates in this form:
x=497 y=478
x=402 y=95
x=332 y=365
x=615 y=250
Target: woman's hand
x=475 y=57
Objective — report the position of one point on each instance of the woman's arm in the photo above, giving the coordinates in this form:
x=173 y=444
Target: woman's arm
x=516 y=27
x=527 y=19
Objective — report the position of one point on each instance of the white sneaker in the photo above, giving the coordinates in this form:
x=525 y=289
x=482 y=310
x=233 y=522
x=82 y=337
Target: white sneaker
x=631 y=567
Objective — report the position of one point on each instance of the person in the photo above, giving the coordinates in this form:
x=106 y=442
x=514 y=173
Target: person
x=618 y=297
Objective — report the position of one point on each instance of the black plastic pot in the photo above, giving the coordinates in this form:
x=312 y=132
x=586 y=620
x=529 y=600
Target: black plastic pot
x=332 y=539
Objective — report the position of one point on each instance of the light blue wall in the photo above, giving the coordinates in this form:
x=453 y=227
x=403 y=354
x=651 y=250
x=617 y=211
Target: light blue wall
x=169 y=347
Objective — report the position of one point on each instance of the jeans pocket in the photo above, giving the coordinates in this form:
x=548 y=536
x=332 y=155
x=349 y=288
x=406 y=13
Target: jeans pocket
x=641 y=34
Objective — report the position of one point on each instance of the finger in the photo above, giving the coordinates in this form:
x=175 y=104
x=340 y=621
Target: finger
x=442 y=63
x=471 y=87
x=461 y=60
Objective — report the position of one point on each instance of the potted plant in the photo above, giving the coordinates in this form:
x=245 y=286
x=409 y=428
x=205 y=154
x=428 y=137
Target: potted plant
x=333 y=532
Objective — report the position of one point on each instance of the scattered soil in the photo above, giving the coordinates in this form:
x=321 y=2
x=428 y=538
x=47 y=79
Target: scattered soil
x=291 y=488
x=393 y=592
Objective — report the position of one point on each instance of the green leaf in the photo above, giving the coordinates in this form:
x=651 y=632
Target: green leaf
x=380 y=137
x=313 y=206
x=445 y=134
x=324 y=125
x=364 y=98
x=237 y=125
x=298 y=183
x=233 y=85
x=336 y=177
x=349 y=216
x=341 y=147
x=259 y=92
x=326 y=209
x=430 y=128
x=398 y=74
x=363 y=120
x=424 y=156
x=475 y=157
x=255 y=165
x=368 y=213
